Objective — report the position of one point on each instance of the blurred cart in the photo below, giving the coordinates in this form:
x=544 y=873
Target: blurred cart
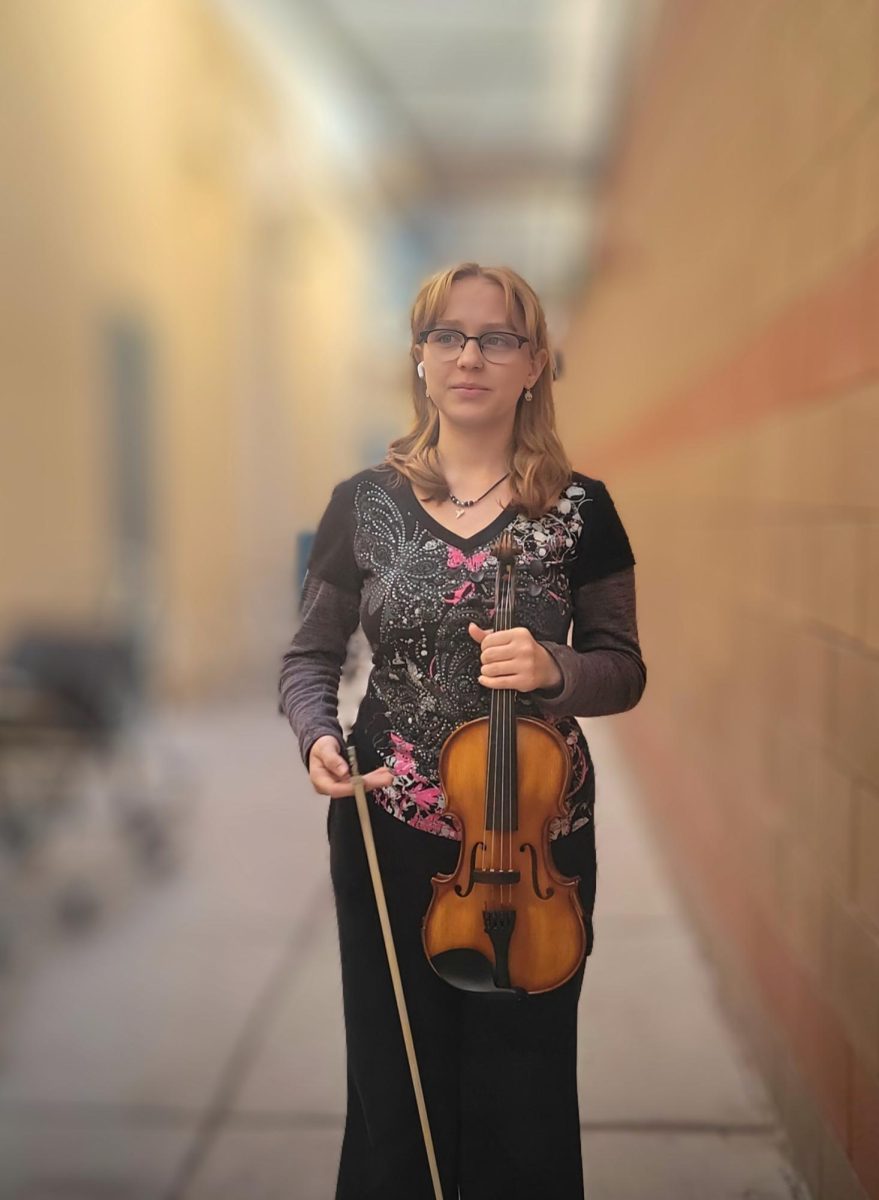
x=76 y=774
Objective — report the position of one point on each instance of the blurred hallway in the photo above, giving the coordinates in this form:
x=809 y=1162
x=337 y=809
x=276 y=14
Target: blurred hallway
x=192 y=1045
x=217 y=215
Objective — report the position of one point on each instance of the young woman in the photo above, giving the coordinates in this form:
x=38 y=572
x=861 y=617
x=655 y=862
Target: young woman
x=406 y=549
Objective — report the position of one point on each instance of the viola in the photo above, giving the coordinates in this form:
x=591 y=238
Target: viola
x=505 y=920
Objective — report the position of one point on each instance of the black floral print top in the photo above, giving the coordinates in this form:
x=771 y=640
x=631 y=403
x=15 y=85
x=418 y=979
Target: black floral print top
x=380 y=558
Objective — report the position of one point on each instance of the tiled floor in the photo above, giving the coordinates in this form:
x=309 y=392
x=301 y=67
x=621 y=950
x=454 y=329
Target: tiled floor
x=190 y=1046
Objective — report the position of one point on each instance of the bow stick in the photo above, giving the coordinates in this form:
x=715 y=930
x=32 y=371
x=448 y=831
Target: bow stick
x=390 y=950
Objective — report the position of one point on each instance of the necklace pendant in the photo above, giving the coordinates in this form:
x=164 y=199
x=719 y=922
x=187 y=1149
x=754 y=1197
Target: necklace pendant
x=459 y=514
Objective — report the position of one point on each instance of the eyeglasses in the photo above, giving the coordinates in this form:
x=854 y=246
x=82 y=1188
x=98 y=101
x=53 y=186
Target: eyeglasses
x=496 y=347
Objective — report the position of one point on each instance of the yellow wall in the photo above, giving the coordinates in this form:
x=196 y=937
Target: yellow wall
x=152 y=168
x=723 y=378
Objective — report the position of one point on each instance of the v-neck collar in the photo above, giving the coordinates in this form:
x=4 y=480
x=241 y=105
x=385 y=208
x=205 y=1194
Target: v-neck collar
x=448 y=535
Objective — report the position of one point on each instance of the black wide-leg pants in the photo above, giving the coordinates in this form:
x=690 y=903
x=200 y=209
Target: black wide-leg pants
x=498 y=1072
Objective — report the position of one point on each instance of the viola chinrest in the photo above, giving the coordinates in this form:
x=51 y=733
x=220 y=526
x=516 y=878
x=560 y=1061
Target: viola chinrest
x=470 y=971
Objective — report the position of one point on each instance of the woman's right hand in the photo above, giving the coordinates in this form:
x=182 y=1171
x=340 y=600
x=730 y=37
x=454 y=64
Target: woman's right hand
x=330 y=774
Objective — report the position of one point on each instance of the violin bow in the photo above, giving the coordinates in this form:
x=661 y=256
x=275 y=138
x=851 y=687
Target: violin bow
x=391 y=951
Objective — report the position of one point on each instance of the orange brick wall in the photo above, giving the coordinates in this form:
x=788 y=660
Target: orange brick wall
x=722 y=375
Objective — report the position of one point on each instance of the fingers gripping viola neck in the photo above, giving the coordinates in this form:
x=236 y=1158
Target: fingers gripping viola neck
x=514 y=659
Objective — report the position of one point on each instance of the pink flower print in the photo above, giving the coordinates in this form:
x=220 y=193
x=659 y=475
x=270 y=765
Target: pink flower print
x=460 y=593
x=473 y=562
x=404 y=763
x=426 y=798
x=432 y=823
x=457 y=558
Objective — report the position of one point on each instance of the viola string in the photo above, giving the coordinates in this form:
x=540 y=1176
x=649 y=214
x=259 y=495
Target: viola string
x=505 y=736
x=502 y=736
x=504 y=749
x=491 y=781
x=497 y=849
x=508 y=816
x=507 y=801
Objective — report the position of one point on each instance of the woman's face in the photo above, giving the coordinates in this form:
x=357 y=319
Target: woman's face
x=474 y=305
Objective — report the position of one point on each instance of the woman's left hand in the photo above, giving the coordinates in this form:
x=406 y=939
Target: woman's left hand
x=511 y=658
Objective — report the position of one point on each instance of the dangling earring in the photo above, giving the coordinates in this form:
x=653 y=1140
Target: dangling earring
x=528 y=395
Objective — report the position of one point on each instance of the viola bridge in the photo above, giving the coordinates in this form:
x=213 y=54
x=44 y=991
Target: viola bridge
x=495 y=877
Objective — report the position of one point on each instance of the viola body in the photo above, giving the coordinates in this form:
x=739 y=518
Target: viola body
x=505 y=919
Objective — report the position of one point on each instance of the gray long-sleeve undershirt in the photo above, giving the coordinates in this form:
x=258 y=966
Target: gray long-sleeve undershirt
x=602 y=669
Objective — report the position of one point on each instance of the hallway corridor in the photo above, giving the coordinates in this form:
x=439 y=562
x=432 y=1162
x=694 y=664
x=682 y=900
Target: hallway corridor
x=191 y=1046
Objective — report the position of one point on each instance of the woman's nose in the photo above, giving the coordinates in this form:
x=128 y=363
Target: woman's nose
x=470 y=354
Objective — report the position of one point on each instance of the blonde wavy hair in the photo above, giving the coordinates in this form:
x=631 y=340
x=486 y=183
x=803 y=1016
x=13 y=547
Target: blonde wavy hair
x=539 y=468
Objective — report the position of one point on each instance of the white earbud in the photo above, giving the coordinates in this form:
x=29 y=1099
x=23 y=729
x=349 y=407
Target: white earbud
x=420 y=370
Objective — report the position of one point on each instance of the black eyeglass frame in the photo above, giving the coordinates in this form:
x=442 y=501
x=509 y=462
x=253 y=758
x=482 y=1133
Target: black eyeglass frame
x=472 y=337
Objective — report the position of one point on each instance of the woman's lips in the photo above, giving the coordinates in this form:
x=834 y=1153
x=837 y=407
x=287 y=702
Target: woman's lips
x=469 y=391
